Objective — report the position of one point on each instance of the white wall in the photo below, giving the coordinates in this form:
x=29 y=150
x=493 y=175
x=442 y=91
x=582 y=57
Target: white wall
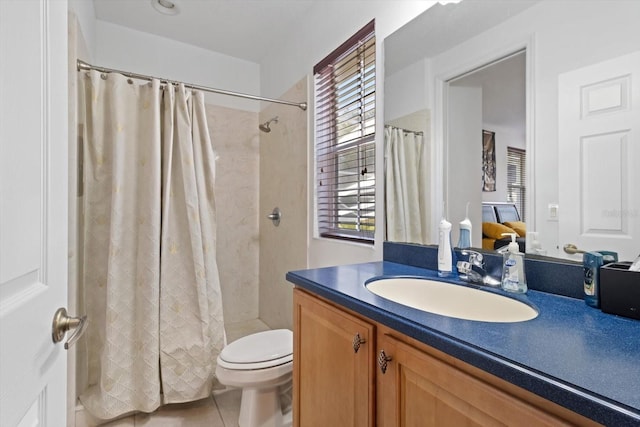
x=130 y=50
x=401 y=99
x=86 y=17
x=323 y=29
x=463 y=178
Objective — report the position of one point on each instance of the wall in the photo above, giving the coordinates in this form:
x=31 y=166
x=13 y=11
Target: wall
x=129 y=50
x=401 y=99
x=283 y=184
x=463 y=175
x=323 y=29
x=85 y=21
x=234 y=135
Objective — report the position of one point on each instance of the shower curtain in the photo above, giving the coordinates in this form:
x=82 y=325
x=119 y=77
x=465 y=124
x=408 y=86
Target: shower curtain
x=406 y=180
x=149 y=275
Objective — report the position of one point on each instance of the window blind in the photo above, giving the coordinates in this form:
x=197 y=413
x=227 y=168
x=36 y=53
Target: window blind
x=345 y=89
x=517 y=179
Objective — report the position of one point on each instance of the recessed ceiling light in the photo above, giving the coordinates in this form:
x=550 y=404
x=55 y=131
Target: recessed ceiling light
x=166 y=7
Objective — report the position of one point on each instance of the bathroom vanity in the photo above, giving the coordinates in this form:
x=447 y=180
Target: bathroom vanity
x=361 y=360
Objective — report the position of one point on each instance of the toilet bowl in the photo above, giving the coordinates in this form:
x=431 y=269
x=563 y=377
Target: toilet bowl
x=261 y=365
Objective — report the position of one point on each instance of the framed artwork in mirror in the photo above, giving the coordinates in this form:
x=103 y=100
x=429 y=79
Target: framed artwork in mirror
x=488 y=161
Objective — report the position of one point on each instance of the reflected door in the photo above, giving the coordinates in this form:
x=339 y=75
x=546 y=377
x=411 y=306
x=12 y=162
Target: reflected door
x=33 y=208
x=599 y=155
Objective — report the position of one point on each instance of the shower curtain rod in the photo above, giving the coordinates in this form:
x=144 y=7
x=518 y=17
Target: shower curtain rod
x=417 y=132
x=83 y=66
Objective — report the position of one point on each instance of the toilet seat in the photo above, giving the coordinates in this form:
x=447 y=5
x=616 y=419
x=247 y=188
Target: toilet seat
x=258 y=351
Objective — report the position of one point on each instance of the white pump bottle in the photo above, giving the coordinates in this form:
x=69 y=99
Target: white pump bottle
x=445 y=251
x=513 y=278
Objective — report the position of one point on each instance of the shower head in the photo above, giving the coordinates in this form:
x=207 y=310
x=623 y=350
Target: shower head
x=264 y=127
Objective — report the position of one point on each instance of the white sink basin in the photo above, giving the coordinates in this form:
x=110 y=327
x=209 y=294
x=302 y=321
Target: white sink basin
x=451 y=300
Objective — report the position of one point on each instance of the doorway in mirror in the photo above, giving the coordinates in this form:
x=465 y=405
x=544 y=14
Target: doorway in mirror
x=486 y=144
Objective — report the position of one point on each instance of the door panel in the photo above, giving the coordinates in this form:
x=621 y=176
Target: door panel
x=33 y=210
x=599 y=125
x=419 y=390
x=333 y=382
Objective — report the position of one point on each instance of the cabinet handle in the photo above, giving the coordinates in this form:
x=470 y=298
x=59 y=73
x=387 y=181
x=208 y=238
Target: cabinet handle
x=357 y=341
x=383 y=361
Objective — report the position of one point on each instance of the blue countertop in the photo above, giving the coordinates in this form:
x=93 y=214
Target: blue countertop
x=571 y=354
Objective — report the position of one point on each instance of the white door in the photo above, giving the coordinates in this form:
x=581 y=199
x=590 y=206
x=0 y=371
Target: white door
x=33 y=210
x=599 y=158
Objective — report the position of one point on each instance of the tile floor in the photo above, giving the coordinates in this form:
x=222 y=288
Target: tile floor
x=220 y=410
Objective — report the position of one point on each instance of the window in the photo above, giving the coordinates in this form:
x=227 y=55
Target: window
x=345 y=89
x=517 y=179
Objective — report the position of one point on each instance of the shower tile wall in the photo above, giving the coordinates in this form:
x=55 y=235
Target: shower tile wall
x=283 y=183
x=234 y=134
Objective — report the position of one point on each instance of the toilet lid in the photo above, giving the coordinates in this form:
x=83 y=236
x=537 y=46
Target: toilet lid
x=261 y=347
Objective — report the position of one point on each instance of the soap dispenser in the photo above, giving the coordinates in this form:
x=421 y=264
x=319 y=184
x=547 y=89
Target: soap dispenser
x=513 y=278
x=446 y=256
x=533 y=245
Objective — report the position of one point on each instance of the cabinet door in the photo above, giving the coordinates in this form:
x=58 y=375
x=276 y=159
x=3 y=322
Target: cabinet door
x=332 y=381
x=418 y=389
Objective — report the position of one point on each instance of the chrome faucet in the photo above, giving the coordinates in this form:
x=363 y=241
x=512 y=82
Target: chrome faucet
x=474 y=271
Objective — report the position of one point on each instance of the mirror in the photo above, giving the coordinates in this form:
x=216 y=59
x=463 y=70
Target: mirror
x=516 y=70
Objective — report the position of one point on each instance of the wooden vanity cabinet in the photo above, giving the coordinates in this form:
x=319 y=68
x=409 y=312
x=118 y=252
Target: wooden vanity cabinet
x=412 y=384
x=333 y=366
x=424 y=387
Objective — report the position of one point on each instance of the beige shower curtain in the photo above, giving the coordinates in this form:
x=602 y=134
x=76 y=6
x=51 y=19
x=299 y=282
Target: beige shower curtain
x=406 y=186
x=149 y=276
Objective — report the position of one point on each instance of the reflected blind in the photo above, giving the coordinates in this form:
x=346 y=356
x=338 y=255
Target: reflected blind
x=345 y=89
x=516 y=179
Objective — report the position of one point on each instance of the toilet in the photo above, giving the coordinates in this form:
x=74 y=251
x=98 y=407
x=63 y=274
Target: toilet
x=261 y=365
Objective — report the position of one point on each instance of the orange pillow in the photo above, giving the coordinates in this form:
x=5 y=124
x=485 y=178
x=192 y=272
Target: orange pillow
x=519 y=227
x=488 y=243
x=495 y=230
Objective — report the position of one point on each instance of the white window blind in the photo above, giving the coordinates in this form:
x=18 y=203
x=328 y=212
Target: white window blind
x=345 y=88
x=517 y=179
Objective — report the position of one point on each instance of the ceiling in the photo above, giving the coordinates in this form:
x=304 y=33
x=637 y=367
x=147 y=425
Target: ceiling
x=442 y=27
x=246 y=29
x=503 y=91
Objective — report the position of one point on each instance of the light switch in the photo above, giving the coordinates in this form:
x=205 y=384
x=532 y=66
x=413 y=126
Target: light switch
x=553 y=212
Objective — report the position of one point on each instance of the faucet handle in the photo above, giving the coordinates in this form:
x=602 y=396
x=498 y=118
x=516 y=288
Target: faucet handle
x=475 y=258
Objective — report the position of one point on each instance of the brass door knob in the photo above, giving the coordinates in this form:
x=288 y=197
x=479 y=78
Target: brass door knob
x=63 y=323
x=572 y=249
